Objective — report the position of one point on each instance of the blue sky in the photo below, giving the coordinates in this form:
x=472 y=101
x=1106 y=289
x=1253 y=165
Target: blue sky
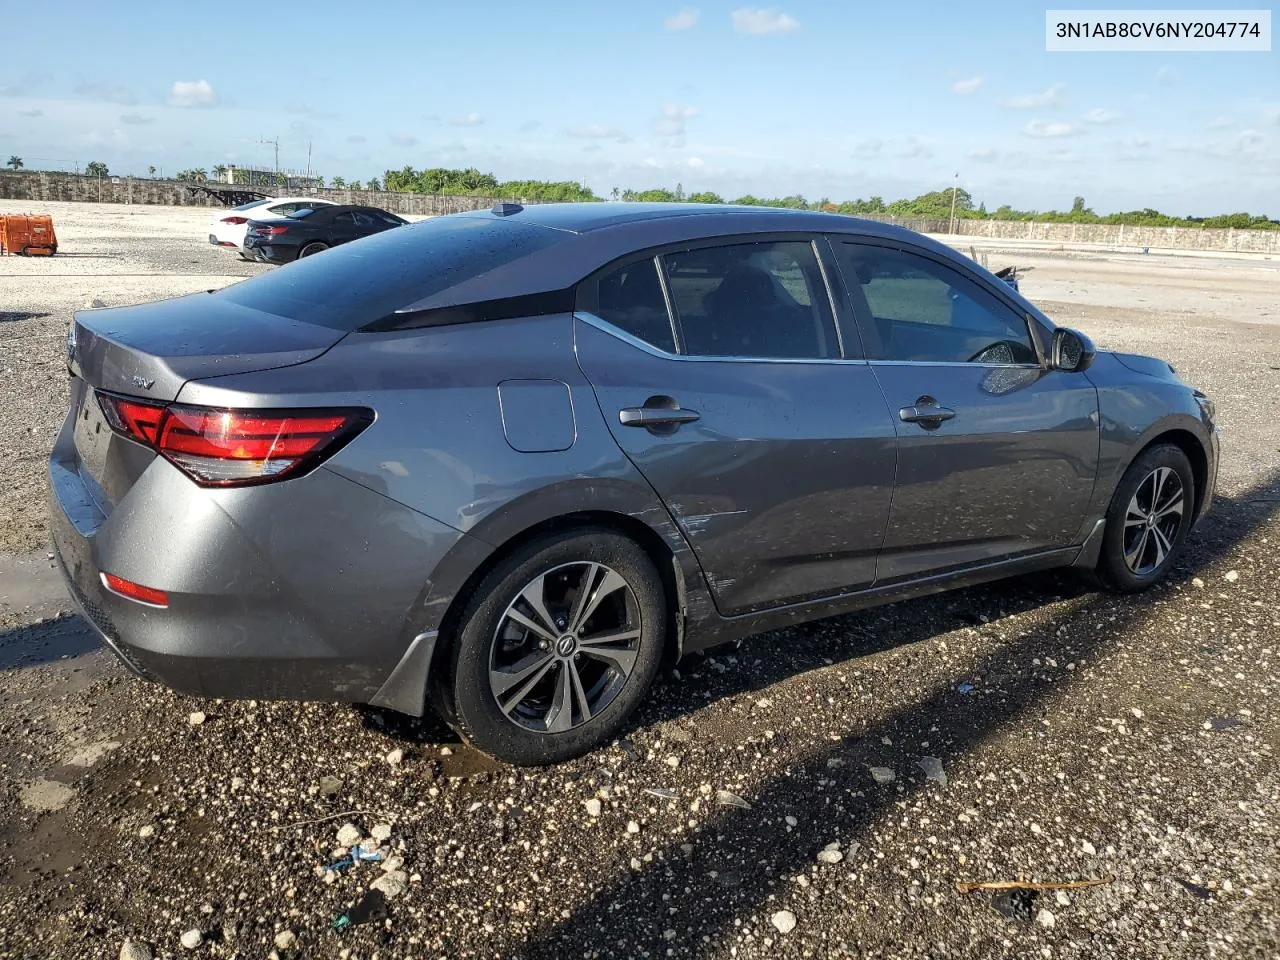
x=831 y=99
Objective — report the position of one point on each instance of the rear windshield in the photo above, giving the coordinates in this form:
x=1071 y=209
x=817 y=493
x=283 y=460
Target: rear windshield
x=251 y=205
x=357 y=283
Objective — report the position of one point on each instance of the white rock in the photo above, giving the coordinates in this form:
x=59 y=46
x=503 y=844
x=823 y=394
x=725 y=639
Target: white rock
x=392 y=864
x=381 y=832
x=191 y=939
x=349 y=835
x=1088 y=848
x=1046 y=919
x=1232 y=576
x=792 y=821
x=673 y=762
x=932 y=768
x=594 y=807
x=882 y=774
x=285 y=940
x=147 y=830
x=1197 y=582
x=135 y=950
x=784 y=921
x=391 y=884
x=830 y=856
x=196 y=718
x=395 y=757
x=1062 y=898
x=633 y=827
x=94 y=304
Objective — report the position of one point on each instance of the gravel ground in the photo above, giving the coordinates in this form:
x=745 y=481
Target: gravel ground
x=813 y=792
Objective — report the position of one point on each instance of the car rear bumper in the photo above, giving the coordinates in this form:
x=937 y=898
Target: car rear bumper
x=270 y=597
x=272 y=253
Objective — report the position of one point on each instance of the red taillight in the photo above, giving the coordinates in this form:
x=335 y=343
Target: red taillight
x=134 y=418
x=235 y=220
x=135 y=591
x=269 y=231
x=222 y=448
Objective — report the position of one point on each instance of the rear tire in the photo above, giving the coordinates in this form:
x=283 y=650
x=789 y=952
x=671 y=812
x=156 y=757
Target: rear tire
x=1148 y=520
x=538 y=696
x=312 y=248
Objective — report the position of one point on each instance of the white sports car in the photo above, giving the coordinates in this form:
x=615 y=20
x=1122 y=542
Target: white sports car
x=227 y=227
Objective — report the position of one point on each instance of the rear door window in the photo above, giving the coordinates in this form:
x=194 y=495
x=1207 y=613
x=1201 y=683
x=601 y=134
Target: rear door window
x=752 y=300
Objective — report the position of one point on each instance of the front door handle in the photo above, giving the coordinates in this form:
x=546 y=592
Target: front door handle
x=926 y=412
x=656 y=416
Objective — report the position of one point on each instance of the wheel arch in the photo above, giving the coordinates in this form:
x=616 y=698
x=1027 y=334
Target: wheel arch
x=1185 y=437
x=617 y=507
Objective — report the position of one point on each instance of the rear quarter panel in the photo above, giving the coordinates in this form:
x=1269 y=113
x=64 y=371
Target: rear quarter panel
x=439 y=444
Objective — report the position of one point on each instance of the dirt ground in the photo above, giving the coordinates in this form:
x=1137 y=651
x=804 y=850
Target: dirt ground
x=813 y=792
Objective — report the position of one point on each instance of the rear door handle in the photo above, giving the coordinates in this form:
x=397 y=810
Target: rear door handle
x=656 y=416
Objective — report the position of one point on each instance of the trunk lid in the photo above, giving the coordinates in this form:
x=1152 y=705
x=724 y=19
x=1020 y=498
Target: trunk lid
x=151 y=350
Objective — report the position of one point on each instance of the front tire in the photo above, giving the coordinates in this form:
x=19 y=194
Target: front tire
x=1148 y=521
x=556 y=648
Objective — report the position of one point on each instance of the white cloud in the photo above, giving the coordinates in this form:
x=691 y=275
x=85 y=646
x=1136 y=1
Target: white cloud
x=966 y=87
x=1221 y=123
x=985 y=155
x=672 y=125
x=136 y=119
x=763 y=20
x=1041 y=128
x=684 y=20
x=472 y=119
x=1048 y=98
x=192 y=93
x=695 y=163
x=529 y=126
x=868 y=149
x=106 y=91
x=31 y=113
x=404 y=139
x=914 y=148
x=1100 y=115
x=1165 y=75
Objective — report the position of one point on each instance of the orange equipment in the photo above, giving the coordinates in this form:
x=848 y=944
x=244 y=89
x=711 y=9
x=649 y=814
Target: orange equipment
x=28 y=236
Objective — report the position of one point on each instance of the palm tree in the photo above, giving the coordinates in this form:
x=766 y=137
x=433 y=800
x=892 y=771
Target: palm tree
x=219 y=171
x=15 y=162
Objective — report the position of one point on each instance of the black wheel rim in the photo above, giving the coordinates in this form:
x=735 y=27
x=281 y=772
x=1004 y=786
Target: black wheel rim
x=565 y=647
x=1152 y=520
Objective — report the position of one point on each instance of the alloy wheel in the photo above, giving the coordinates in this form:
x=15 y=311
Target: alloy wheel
x=565 y=647
x=1152 y=520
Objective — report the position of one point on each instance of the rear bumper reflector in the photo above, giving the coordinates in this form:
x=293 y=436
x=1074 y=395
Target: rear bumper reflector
x=135 y=591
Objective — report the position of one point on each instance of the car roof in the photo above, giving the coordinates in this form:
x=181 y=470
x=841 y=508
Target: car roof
x=726 y=217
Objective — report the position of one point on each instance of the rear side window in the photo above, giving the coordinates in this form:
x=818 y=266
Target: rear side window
x=752 y=300
x=367 y=281
x=630 y=297
x=251 y=205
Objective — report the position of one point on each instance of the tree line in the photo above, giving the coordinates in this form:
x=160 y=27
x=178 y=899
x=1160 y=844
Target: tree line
x=935 y=205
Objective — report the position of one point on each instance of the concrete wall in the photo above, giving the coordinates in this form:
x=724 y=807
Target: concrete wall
x=65 y=186
x=36 y=187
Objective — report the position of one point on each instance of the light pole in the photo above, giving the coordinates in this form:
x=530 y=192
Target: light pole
x=275 y=143
x=951 y=224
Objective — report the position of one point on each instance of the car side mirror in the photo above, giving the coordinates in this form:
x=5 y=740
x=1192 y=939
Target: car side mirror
x=1073 y=352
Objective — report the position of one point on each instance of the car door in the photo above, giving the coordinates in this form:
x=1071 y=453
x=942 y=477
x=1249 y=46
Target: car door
x=343 y=228
x=997 y=454
x=720 y=372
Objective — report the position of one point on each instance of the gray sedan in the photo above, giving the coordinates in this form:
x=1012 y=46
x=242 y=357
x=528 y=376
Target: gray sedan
x=508 y=462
